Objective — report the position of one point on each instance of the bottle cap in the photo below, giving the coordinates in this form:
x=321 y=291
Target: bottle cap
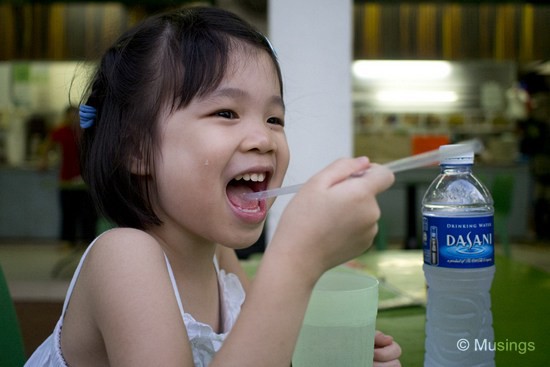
x=452 y=159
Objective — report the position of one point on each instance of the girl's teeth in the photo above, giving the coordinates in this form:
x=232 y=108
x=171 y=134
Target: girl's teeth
x=255 y=177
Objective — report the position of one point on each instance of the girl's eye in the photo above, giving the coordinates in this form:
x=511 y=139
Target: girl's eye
x=276 y=121
x=226 y=114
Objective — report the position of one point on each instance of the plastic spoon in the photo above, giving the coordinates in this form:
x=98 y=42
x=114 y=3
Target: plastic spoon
x=400 y=165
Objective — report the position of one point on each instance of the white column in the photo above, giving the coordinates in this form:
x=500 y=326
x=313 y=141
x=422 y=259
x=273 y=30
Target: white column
x=313 y=40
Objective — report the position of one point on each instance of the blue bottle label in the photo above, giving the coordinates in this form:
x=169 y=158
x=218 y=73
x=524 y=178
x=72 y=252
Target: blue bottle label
x=458 y=242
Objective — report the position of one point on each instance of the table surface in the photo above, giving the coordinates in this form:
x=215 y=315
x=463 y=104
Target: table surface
x=520 y=303
x=520 y=297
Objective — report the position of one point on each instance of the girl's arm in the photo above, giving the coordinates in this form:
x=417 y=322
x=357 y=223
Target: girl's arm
x=331 y=220
x=386 y=350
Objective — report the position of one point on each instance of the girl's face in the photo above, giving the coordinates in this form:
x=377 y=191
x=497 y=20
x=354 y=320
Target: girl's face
x=220 y=146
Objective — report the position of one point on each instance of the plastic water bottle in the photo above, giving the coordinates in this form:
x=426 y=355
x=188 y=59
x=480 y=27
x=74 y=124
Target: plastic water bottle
x=457 y=214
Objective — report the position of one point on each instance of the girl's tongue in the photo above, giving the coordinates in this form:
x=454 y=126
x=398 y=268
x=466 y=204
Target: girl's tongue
x=235 y=193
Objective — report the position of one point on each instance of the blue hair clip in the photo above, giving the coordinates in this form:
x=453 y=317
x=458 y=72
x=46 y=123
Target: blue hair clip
x=87 y=116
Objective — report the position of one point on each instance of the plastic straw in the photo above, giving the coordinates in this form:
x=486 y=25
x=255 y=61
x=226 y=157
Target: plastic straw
x=400 y=165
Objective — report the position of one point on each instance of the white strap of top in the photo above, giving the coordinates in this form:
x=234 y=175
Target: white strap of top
x=174 y=285
x=216 y=265
x=75 y=278
x=170 y=273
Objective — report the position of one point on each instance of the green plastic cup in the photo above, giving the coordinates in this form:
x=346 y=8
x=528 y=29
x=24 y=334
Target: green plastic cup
x=340 y=322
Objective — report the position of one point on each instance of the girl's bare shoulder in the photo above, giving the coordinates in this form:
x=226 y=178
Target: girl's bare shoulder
x=124 y=244
x=123 y=257
x=126 y=274
x=123 y=278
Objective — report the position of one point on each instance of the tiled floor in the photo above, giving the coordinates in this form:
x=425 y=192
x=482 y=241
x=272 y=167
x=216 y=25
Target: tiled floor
x=41 y=271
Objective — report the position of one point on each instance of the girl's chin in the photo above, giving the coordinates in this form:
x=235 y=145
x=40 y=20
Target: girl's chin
x=245 y=241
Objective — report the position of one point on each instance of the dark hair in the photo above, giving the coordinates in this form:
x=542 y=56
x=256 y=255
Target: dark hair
x=166 y=61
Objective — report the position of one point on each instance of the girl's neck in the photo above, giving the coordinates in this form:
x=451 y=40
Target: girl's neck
x=192 y=255
x=192 y=263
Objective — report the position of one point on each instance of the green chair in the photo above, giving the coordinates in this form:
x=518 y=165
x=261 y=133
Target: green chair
x=12 y=350
x=502 y=190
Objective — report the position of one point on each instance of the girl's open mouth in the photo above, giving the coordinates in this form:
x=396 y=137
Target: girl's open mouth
x=245 y=183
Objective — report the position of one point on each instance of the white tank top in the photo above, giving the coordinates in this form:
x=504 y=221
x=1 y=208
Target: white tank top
x=204 y=341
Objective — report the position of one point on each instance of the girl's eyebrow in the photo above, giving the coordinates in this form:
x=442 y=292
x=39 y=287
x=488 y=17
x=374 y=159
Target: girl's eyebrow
x=236 y=93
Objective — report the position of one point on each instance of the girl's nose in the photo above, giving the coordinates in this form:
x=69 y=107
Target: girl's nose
x=259 y=137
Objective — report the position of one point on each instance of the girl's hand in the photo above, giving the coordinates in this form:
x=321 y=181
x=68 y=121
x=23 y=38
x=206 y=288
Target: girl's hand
x=333 y=218
x=386 y=351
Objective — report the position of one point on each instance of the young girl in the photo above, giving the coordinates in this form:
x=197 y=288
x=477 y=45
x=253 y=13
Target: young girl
x=184 y=115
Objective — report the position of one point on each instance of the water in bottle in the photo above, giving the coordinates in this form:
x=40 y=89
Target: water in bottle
x=457 y=214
